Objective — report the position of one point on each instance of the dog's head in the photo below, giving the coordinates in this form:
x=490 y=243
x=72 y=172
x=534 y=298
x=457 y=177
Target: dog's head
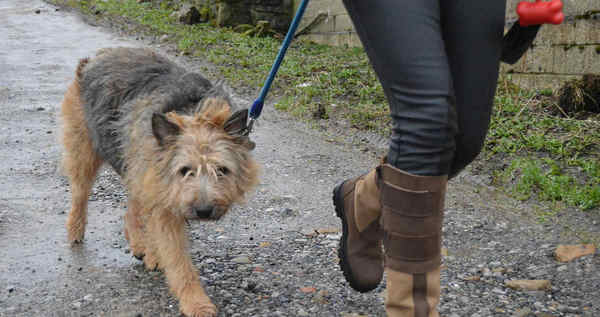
x=210 y=166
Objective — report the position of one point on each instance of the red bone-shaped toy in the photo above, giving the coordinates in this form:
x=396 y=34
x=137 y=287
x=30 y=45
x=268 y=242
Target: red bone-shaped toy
x=540 y=12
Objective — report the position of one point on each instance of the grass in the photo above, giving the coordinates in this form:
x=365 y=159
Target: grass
x=534 y=154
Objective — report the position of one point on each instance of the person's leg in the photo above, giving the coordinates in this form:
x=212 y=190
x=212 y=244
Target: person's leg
x=404 y=42
x=472 y=32
x=407 y=47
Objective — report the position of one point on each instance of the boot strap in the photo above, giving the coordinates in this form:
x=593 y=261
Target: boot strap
x=412 y=220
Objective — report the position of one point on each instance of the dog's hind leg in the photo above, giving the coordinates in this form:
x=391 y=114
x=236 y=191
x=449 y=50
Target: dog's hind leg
x=168 y=235
x=80 y=161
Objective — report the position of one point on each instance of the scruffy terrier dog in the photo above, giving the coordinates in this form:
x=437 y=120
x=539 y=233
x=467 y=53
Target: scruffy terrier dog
x=178 y=144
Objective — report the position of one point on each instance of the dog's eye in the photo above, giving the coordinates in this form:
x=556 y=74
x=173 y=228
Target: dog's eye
x=185 y=170
x=222 y=171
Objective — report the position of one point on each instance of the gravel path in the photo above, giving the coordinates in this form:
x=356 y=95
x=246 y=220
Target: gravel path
x=275 y=256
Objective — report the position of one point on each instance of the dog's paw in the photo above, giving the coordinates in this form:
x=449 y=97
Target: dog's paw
x=151 y=262
x=139 y=252
x=75 y=227
x=75 y=236
x=203 y=308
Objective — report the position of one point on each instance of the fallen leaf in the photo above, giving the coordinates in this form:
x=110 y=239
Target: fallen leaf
x=567 y=253
x=529 y=285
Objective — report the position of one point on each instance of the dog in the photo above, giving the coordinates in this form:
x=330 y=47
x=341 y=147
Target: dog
x=179 y=145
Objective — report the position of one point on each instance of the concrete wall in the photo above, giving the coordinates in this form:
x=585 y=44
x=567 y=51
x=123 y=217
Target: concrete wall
x=559 y=53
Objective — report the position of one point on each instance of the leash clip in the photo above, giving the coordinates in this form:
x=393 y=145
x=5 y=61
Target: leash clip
x=249 y=127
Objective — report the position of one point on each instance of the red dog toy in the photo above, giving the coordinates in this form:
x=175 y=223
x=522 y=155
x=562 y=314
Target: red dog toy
x=540 y=12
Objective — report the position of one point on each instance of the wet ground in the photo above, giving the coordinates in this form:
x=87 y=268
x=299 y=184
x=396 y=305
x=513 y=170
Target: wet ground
x=262 y=259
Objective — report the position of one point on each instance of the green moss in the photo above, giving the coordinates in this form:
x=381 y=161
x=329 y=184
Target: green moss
x=587 y=15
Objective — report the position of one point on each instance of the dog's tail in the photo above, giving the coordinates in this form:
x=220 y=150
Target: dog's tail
x=80 y=67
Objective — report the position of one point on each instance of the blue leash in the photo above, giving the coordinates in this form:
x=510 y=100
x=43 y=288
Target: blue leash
x=258 y=104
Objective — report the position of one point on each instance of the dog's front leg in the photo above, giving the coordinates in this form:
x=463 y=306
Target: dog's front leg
x=134 y=231
x=167 y=232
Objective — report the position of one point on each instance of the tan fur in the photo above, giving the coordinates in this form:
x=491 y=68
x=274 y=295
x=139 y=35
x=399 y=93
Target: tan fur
x=160 y=198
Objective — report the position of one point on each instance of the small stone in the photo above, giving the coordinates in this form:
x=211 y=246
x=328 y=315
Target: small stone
x=334 y=236
x=264 y=244
x=523 y=312
x=87 y=297
x=302 y=312
x=562 y=268
x=567 y=253
x=241 y=260
x=189 y=14
x=444 y=252
x=321 y=297
x=308 y=289
x=38 y=11
x=486 y=272
x=77 y=304
x=330 y=230
x=529 y=285
x=288 y=212
x=164 y=38
x=309 y=233
x=499 y=291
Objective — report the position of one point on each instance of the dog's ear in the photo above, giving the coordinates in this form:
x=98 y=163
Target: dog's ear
x=164 y=130
x=236 y=124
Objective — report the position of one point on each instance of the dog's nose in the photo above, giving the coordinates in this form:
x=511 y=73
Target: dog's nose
x=204 y=212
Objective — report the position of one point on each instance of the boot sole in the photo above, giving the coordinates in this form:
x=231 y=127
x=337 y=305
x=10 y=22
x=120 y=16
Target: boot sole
x=338 y=202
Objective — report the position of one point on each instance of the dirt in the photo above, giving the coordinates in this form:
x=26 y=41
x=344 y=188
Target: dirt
x=263 y=258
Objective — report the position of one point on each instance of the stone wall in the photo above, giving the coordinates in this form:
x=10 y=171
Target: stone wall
x=236 y=12
x=559 y=53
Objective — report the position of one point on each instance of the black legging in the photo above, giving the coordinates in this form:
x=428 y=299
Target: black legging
x=438 y=64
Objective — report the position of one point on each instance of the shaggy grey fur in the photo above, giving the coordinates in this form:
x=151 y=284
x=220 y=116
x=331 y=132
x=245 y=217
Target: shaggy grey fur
x=122 y=87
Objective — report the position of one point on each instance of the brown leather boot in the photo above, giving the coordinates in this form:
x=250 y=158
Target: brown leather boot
x=361 y=256
x=412 y=216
